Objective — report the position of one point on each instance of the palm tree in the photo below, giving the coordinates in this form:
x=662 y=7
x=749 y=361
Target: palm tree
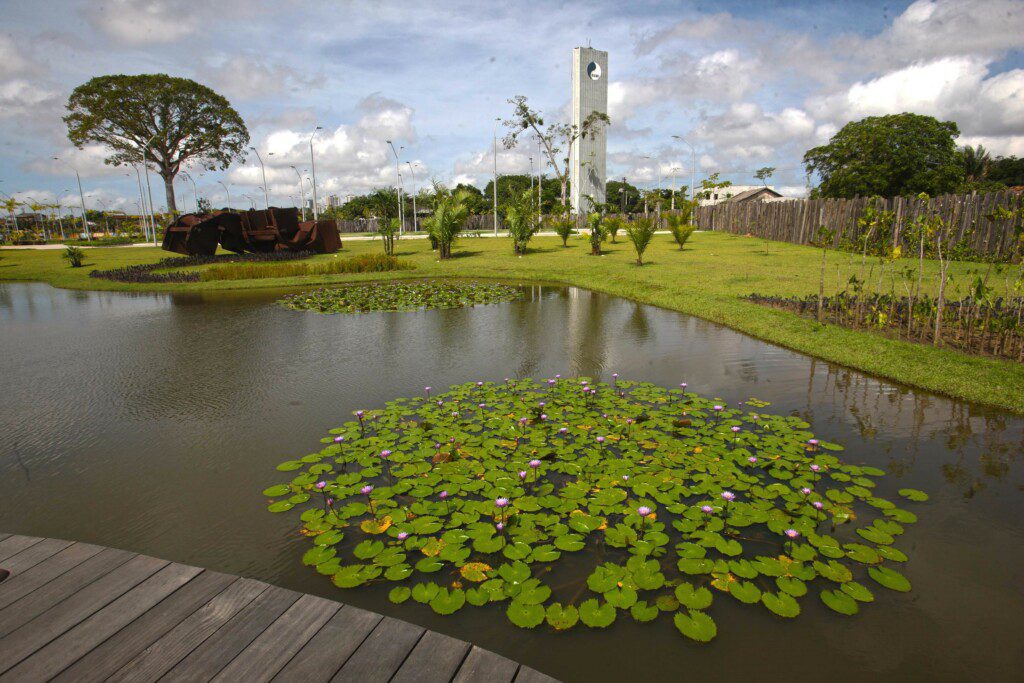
x=976 y=162
x=520 y=220
x=10 y=204
x=451 y=209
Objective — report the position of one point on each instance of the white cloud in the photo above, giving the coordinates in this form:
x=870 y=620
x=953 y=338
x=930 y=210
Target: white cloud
x=20 y=98
x=244 y=77
x=746 y=132
x=144 y=22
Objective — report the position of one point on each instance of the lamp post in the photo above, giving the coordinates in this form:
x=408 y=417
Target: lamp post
x=312 y=165
x=81 y=196
x=106 y=224
x=252 y=202
x=412 y=174
x=143 y=217
x=693 y=166
x=226 y=191
x=263 y=172
x=149 y=189
x=195 y=192
x=398 y=171
x=497 y=120
x=673 y=172
x=302 y=192
x=60 y=217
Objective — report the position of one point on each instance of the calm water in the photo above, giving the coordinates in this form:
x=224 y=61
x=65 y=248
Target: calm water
x=151 y=422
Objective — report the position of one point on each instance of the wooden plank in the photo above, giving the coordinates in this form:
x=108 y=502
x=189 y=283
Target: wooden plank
x=273 y=648
x=33 y=555
x=485 y=666
x=435 y=658
x=234 y=636
x=170 y=649
x=329 y=649
x=74 y=609
x=59 y=589
x=17 y=587
x=15 y=544
x=3 y=536
x=62 y=652
x=528 y=675
x=382 y=653
x=123 y=646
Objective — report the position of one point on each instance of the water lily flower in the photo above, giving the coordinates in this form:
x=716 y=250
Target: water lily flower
x=541 y=404
x=629 y=420
x=718 y=408
x=501 y=502
x=427 y=389
x=535 y=464
x=735 y=429
x=442 y=495
x=818 y=505
x=806 y=491
x=455 y=413
x=330 y=502
x=615 y=375
x=563 y=430
x=584 y=382
x=815 y=468
x=522 y=420
x=752 y=460
x=366 y=490
x=440 y=403
x=385 y=453
x=643 y=510
x=551 y=381
x=402 y=535
x=600 y=439
x=707 y=509
x=339 y=439
x=682 y=385
x=481 y=405
x=792 y=533
x=728 y=495
x=321 y=485
x=625 y=477
x=755 y=418
x=813 y=442
x=499 y=526
x=522 y=474
x=359 y=414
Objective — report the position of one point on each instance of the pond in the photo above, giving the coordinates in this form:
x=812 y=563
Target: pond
x=152 y=422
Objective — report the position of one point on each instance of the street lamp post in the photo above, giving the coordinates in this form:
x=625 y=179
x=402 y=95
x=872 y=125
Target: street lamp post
x=673 y=172
x=226 y=191
x=412 y=174
x=693 y=166
x=143 y=217
x=312 y=166
x=149 y=189
x=398 y=171
x=497 y=120
x=81 y=196
x=263 y=172
x=195 y=192
x=302 y=192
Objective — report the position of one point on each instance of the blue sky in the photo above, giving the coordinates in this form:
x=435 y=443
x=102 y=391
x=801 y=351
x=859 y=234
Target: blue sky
x=748 y=84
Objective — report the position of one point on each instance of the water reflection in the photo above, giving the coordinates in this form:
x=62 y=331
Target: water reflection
x=152 y=421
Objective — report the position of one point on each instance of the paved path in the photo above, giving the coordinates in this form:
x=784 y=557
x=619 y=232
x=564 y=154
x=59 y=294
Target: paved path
x=79 y=612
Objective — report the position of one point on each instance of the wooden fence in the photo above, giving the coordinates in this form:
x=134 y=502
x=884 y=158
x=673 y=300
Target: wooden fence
x=971 y=216
x=475 y=222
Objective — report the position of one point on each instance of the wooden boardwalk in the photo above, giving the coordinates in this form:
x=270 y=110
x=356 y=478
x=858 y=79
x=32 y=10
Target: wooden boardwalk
x=79 y=612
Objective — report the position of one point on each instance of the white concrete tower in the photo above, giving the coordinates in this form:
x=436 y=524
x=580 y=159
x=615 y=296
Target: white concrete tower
x=588 y=159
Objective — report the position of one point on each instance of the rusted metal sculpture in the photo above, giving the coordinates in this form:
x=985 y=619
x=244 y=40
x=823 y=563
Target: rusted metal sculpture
x=250 y=231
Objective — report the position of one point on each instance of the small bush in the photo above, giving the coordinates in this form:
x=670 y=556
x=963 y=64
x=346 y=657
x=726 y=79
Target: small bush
x=680 y=229
x=564 y=227
x=364 y=263
x=640 y=231
x=74 y=256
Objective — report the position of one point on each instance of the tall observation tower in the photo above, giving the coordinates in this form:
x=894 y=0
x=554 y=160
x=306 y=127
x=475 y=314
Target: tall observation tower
x=589 y=94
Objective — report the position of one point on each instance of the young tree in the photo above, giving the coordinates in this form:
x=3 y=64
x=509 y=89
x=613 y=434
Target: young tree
x=163 y=120
x=612 y=225
x=382 y=204
x=680 y=227
x=520 y=219
x=764 y=173
x=595 y=222
x=640 y=231
x=451 y=209
x=552 y=137
x=888 y=156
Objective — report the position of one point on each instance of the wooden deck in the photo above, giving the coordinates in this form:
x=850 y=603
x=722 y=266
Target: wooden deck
x=79 y=612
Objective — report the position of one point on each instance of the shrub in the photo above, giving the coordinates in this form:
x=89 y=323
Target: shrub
x=146 y=272
x=451 y=209
x=680 y=228
x=612 y=226
x=596 y=225
x=364 y=263
x=74 y=256
x=640 y=231
x=564 y=227
x=519 y=217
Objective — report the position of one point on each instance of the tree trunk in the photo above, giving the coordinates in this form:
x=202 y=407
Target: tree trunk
x=169 y=191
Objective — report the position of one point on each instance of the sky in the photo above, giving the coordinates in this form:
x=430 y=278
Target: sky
x=746 y=84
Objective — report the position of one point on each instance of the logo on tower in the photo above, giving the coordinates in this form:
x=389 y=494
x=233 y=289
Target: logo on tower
x=587 y=160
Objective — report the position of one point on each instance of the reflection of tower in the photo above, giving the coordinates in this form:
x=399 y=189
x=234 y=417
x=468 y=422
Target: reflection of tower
x=589 y=94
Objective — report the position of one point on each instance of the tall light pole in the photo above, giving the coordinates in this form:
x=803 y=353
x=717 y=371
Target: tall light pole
x=226 y=191
x=149 y=188
x=81 y=196
x=673 y=172
x=143 y=216
x=412 y=174
x=302 y=192
x=252 y=202
x=497 y=120
x=60 y=217
x=195 y=192
x=312 y=165
x=693 y=167
x=531 y=182
x=398 y=171
x=263 y=171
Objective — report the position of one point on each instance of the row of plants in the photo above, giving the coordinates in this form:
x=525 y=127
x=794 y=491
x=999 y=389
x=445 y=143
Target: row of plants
x=148 y=272
x=400 y=296
x=363 y=263
x=989 y=325
x=572 y=501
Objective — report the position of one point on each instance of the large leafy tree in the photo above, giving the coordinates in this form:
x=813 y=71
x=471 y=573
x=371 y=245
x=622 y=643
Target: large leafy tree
x=888 y=156
x=169 y=120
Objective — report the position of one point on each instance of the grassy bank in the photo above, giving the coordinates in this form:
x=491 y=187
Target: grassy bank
x=708 y=280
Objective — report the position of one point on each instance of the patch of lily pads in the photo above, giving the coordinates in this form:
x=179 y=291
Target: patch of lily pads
x=400 y=296
x=571 y=502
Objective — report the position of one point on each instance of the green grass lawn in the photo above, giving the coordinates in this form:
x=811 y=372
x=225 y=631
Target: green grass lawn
x=707 y=279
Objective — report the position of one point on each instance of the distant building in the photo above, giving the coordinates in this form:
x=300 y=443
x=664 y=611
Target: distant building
x=742 y=193
x=333 y=200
